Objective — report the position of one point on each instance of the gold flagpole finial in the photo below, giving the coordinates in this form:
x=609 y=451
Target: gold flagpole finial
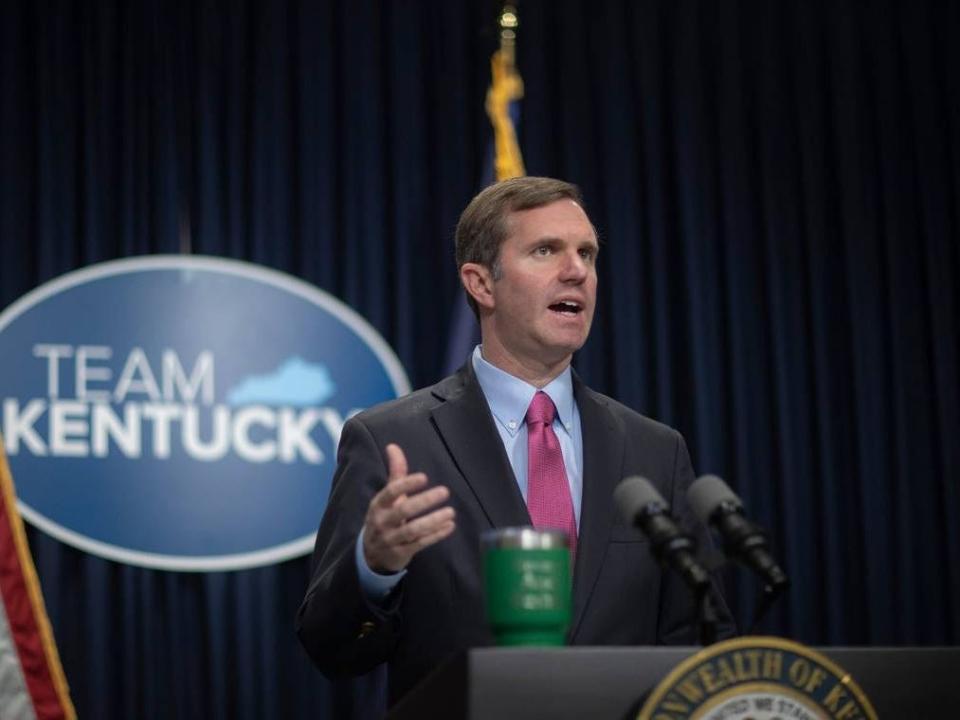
x=508 y=22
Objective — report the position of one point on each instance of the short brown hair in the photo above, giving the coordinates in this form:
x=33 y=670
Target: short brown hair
x=482 y=228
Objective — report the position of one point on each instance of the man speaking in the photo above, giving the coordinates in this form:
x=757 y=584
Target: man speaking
x=397 y=565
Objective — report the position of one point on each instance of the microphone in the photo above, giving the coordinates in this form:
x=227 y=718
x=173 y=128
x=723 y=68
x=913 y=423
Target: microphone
x=716 y=504
x=642 y=506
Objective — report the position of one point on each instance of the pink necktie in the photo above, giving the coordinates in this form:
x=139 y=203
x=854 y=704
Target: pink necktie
x=548 y=493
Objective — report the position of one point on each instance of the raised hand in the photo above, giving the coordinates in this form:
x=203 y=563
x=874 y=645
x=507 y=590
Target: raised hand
x=396 y=527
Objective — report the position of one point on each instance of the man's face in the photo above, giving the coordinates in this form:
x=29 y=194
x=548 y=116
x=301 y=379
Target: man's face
x=544 y=298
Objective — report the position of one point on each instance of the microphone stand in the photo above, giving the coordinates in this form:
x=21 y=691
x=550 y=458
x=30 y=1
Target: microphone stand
x=698 y=581
x=707 y=616
x=768 y=595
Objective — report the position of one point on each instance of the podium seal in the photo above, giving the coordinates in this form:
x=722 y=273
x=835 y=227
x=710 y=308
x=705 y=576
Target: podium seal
x=760 y=678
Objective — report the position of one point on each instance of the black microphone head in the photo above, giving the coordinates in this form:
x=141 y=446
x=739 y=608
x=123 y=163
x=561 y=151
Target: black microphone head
x=635 y=495
x=708 y=493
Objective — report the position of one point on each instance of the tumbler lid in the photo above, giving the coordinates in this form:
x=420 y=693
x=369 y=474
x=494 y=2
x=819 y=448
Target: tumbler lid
x=525 y=538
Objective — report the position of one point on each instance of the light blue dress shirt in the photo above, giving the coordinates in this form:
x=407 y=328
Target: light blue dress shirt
x=508 y=398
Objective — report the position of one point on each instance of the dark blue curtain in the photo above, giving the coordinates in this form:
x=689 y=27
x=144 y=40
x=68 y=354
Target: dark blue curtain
x=778 y=190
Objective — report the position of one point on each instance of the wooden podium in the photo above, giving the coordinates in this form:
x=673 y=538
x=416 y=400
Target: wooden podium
x=603 y=683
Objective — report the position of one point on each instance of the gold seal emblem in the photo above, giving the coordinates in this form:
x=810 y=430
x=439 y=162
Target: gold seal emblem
x=757 y=678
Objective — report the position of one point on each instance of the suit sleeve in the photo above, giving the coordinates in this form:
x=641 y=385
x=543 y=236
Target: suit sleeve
x=678 y=617
x=341 y=631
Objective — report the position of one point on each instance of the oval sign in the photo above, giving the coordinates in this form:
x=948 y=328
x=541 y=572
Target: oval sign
x=183 y=413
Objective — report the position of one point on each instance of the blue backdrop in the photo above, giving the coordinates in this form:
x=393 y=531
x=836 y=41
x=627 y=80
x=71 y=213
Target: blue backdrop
x=778 y=190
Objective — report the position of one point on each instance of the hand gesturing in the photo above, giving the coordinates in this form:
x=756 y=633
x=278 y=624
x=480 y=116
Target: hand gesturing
x=396 y=528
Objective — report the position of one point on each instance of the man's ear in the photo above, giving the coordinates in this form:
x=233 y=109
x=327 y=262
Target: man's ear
x=478 y=281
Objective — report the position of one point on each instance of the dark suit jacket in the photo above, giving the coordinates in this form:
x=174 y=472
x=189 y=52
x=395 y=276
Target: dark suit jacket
x=620 y=595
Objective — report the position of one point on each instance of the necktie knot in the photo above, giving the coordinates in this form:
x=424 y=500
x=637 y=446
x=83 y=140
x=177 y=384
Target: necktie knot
x=542 y=410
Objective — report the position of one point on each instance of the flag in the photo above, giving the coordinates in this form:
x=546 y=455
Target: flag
x=32 y=684
x=504 y=161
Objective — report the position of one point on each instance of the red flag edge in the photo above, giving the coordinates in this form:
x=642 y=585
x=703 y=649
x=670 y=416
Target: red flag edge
x=26 y=614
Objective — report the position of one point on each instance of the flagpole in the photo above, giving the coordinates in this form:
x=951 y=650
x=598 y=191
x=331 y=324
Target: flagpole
x=506 y=87
x=504 y=161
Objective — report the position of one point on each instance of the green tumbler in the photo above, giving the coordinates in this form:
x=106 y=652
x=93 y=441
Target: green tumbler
x=527 y=580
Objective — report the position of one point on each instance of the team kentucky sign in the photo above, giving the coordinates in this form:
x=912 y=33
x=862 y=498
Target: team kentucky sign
x=182 y=412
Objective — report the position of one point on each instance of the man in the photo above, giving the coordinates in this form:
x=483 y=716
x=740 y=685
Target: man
x=397 y=565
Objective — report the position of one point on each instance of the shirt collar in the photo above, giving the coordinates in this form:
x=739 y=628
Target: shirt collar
x=509 y=396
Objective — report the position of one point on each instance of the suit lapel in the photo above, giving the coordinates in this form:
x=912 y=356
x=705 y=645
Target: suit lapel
x=603 y=446
x=466 y=426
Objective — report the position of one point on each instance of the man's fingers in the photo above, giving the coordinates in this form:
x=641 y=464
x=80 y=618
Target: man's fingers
x=436 y=536
x=396 y=462
x=396 y=527
x=397 y=488
x=421 y=502
x=412 y=532
x=413 y=505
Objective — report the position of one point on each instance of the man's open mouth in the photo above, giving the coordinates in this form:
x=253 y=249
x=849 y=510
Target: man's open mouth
x=567 y=307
